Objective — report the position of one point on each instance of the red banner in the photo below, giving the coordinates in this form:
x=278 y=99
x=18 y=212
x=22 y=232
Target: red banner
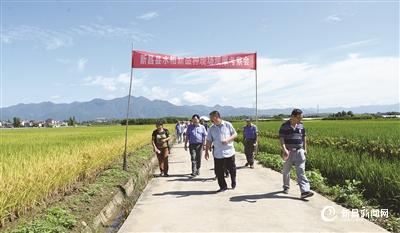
x=141 y=59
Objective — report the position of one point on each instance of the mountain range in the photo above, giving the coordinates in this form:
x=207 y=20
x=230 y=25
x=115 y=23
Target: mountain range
x=142 y=107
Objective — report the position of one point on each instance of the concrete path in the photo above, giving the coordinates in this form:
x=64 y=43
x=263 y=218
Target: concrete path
x=180 y=203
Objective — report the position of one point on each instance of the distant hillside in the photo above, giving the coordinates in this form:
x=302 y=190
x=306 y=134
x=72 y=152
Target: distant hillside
x=145 y=108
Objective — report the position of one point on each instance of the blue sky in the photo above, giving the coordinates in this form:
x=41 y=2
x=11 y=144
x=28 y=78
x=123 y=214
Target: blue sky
x=309 y=53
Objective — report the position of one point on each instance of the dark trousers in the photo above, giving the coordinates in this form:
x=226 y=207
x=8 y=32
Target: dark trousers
x=196 y=151
x=163 y=160
x=249 y=150
x=226 y=172
x=230 y=165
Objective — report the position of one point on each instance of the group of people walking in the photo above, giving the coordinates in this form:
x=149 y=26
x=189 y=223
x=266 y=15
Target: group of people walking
x=218 y=139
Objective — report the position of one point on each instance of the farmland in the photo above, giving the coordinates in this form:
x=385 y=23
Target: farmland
x=365 y=150
x=36 y=163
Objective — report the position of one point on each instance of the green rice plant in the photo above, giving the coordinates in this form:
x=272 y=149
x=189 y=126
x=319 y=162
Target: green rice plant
x=38 y=163
x=343 y=150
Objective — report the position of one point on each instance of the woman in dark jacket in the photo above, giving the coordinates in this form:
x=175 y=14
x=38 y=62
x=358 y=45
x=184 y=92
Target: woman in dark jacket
x=159 y=140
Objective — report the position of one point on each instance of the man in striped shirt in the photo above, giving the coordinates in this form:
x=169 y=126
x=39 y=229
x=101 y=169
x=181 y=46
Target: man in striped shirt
x=293 y=140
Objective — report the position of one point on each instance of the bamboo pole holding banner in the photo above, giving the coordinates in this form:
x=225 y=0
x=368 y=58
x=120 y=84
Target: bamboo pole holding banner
x=125 y=156
x=256 y=147
x=256 y=92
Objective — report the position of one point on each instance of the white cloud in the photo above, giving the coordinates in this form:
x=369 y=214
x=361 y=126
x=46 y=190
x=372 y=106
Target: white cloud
x=333 y=18
x=354 y=55
x=55 y=97
x=111 y=84
x=349 y=82
x=352 y=81
x=82 y=63
x=5 y=38
x=51 y=39
x=54 y=39
x=159 y=93
x=194 y=98
x=110 y=31
x=148 y=15
x=173 y=96
x=359 y=43
x=194 y=77
x=176 y=101
x=111 y=96
x=108 y=84
x=55 y=43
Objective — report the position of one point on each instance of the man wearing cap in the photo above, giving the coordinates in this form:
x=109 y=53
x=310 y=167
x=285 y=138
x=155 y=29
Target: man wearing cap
x=222 y=134
x=292 y=136
x=196 y=135
x=250 y=139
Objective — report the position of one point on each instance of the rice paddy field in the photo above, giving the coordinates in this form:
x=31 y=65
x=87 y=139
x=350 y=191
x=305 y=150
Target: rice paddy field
x=364 y=150
x=37 y=163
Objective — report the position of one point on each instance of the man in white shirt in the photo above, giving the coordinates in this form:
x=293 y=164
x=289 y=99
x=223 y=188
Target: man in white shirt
x=222 y=134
